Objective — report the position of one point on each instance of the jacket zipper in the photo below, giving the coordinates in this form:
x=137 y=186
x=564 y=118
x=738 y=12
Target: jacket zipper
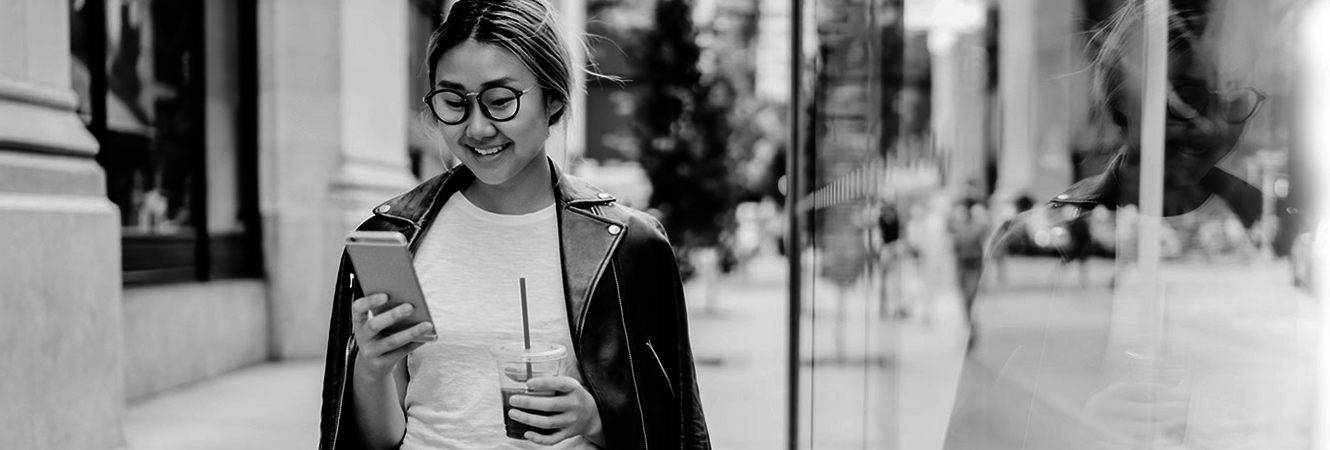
x=346 y=371
x=627 y=344
x=668 y=383
x=341 y=393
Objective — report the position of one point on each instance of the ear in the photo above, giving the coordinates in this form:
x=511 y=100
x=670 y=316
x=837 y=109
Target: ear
x=553 y=111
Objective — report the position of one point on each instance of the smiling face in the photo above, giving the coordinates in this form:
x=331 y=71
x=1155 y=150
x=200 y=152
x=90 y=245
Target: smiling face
x=1192 y=146
x=499 y=153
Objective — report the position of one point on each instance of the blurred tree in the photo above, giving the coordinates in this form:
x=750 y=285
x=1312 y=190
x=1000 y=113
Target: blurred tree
x=684 y=131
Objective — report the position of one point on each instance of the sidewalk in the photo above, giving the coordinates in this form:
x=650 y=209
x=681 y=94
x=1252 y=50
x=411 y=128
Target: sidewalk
x=739 y=344
x=1246 y=334
x=265 y=407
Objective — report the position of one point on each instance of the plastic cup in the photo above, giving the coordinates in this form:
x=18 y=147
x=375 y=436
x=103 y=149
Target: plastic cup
x=517 y=364
x=1174 y=376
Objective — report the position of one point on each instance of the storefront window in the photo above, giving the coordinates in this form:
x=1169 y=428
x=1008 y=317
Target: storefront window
x=1053 y=224
x=168 y=90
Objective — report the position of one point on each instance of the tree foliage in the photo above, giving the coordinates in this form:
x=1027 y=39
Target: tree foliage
x=683 y=129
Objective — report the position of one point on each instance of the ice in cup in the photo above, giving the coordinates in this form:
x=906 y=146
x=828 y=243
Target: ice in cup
x=517 y=364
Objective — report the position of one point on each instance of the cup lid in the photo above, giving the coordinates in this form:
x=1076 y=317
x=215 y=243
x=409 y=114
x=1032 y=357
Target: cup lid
x=539 y=352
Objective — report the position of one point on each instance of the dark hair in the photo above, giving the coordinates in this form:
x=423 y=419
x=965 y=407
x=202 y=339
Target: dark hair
x=527 y=28
x=1187 y=20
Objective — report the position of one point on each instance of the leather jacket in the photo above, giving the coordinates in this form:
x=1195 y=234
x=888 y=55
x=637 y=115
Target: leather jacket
x=625 y=311
x=1071 y=210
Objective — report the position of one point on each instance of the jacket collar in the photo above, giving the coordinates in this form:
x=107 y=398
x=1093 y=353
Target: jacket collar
x=1100 y=189
x=419 y=205
x=1241 y=197
x=587 y=236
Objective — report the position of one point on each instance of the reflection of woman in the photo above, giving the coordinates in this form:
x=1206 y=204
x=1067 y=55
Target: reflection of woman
x=1049 y=369
x=603 y=279
x=1207 y=111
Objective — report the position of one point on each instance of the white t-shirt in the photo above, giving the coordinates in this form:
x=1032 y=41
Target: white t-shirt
x=469 y=266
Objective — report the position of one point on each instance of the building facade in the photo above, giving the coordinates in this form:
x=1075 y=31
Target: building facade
x=175 y=182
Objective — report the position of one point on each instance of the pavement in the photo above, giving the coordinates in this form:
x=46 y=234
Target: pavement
x=874 y=379
x=1240 y=337
x=861 y=371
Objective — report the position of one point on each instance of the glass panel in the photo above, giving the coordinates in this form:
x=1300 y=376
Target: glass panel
x=1103 y=320
x=854 y=149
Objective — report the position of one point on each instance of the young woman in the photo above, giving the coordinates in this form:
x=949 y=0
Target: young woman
x=601 y=278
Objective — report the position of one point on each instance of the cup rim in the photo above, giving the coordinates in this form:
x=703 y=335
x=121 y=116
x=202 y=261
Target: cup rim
x=539 y=352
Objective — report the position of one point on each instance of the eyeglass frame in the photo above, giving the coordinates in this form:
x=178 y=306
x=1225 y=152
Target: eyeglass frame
x=474 y=98
x=1209 y=98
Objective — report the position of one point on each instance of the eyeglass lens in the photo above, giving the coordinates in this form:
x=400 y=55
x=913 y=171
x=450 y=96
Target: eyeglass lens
x=1188 y=102
x=498 y=103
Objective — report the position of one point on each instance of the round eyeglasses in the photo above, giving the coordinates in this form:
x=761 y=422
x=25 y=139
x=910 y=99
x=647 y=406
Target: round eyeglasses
x=1235 y=106
x=498 y=103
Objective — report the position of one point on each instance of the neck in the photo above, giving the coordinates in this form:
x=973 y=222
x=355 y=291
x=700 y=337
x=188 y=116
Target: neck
x=523 y=194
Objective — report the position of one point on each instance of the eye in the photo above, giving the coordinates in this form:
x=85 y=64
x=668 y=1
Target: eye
x=450 y=100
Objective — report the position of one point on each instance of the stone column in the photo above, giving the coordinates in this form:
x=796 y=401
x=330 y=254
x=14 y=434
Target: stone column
x=332 y=145
x=63 y=386
x=960 y=107
x=567 y=142
x=1035 y=74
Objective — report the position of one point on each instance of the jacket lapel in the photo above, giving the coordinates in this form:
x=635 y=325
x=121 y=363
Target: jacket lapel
x=587 y=245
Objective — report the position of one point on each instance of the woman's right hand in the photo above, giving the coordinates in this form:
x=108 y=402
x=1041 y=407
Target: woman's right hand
x=379 y=352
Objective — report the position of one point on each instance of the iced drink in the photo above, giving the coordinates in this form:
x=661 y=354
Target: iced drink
x=516 y=365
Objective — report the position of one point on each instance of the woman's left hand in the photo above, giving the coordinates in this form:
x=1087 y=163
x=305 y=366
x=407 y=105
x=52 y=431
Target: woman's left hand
x=572 y=411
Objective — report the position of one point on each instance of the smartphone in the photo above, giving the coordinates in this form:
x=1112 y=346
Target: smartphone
x=382 y=264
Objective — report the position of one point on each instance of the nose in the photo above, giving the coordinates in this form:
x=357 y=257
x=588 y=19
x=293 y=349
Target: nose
x=478 y=126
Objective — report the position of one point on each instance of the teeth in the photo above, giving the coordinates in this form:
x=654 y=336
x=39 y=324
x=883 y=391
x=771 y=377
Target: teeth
x=487 y=151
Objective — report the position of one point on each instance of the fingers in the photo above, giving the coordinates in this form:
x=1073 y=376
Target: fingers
x=383 y=345
x=560 y=384
x=552 y=439
x=575 y=412
x=381 y=321
x=558 y=403
x=380 y=354
x=561 y=422
x=360 y=308
x=401 y=352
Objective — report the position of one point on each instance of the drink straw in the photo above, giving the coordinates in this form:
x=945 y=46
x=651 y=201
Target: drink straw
x=526 y=325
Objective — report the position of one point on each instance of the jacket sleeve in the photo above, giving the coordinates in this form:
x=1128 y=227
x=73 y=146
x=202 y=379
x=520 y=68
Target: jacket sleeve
x=672 y=342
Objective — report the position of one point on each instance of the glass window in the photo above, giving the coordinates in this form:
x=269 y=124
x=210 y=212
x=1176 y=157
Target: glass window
x=168 y=88
x=1049 y=224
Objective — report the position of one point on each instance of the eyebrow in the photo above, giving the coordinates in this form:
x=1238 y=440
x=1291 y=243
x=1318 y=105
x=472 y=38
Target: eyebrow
x=495 y=82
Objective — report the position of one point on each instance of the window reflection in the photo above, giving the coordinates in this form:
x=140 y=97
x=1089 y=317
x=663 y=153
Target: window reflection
x=1031 y=285
x=1127 y=330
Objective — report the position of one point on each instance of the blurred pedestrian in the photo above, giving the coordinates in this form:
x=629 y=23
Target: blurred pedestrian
x=604 y=280
x=969 y=231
